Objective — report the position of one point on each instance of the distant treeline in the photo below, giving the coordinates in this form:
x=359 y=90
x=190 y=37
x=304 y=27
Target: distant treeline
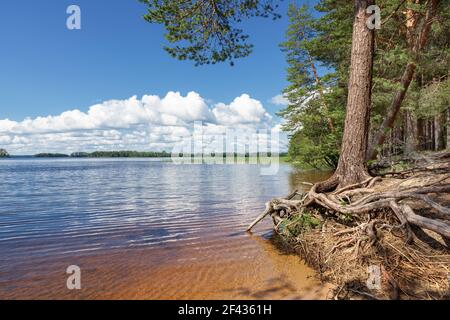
x=121 y=154
x=132 y=154
x=4 y=153
x=51 y=155
x=106 y=154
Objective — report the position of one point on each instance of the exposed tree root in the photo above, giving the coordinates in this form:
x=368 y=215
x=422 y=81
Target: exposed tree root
x=343 y=203
x=376 y=220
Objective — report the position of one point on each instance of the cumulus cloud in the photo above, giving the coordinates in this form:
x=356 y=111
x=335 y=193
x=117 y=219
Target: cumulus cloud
x=243 y=109
x=173 y=109
x=279 y=100
x=149 y=123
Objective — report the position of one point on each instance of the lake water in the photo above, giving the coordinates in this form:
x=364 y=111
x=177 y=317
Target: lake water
x=145 y=229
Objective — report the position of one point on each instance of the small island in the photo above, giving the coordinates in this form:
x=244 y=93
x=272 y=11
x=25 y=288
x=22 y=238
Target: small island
x=51 y=155
x=4 y=153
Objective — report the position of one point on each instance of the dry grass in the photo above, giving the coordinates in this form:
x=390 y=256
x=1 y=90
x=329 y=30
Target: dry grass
x=414 y=263
x=343 y=255
x=383 y=223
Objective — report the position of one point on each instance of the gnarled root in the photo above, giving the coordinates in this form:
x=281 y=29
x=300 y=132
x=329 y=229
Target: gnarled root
x=346 y=201
x=371 y=214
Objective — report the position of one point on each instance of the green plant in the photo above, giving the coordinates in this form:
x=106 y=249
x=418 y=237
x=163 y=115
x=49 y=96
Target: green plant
x=298 y=223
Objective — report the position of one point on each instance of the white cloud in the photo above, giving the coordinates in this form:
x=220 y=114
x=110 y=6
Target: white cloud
x=190 y=108
x=242 y=110
x=171 y=110
x=150 y=123
x=279 y=100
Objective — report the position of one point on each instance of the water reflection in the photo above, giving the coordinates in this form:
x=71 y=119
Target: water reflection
x=297 y=176
x=144 y=229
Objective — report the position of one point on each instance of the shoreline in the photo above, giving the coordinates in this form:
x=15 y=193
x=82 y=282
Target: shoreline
x=387 y=267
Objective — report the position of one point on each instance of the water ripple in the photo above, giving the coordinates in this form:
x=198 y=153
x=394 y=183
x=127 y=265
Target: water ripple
x=58 y=207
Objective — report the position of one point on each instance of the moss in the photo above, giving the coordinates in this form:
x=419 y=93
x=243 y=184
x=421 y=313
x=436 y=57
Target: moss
x=345 y=217
x=299 y=223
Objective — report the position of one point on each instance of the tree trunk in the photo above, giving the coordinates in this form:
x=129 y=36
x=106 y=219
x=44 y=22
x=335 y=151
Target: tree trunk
x=410 y=132
x=442 y=123
x=430 y=134
x=448 y=128
x=411 y=21
x=420 y=134
x=437 y=133
x=427 y=134
x=352 y=165
x=408 y=74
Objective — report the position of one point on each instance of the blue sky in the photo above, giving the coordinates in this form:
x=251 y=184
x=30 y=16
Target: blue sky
x=46 y=69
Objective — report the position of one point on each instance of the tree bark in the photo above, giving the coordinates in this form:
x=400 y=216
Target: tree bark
x=411 y=132
x=427 y=134
x=442 y=124
x=352 y=167
x=420 y=134
x=431 y=121
x=448 y=128
x=437 y=133
x=411 y=21
x=408 y=74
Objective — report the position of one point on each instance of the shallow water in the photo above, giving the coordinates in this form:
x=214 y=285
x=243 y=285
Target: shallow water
x=145 y=229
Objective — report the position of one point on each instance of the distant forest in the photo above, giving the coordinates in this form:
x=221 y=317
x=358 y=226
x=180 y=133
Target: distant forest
x=127 y=154
x=106 y=154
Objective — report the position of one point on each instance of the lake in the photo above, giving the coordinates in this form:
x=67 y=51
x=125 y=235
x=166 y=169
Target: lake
x=145 y=229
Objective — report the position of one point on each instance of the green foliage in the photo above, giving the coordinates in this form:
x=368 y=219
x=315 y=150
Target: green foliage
x=434 y=99
x=345 y=217
x=51 y=155
x=121 y=154
x=296 y=224
x=423 y=98
x=4 y=153
x=207 y=31
x=398 y=166
x=326 y=42
x=314 y=101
